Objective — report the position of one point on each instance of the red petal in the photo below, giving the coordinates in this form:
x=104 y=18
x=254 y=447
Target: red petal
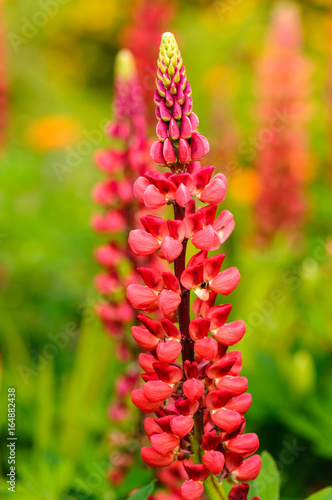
x=170 y=249
x=184 y=151
x=164 y=443
x=142 y=243
x=168 y=373
x=192 y=277
x=169 y=351
x=214 y=461
x=140 y=186
x=168 y=301
x=240 y=403
x=181 y=426
x=204 y=239
x=207 y=348
x=230 y=333
x=168 y=152
x=226 y=281
x=191 y=490
x=141 y=297
x=152 y=277
x=153 y=198
x=182 y=195
x=237 y=385
x=199 y=328
x=144 y=338
x=156 y=391
x=199 y=146
x=212 y=266
x=139 y=400
x=217 y=399
x=193 y=389
x=227 y=420
x=156 y=153
x=146 y=361
x=249 y=469
x=214 y=192
x=154 y=459
x=243 y=445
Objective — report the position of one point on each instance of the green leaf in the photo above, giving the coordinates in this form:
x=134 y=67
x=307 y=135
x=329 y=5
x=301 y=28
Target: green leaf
x=325 y=494
x=144 y=492
x=267 y=485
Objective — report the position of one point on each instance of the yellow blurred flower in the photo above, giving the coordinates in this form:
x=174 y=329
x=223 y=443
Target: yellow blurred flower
x=243 y=187
x=52 y=132
x=94 y=16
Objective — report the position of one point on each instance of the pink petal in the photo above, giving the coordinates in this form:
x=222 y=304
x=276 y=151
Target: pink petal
x=214 y=192
x=153 y=199
x=173 y=129
x=169 y=351
x=154 y=459
x=142 y=243
x=168 y=301
x=240 y=403
x=227 y=420
x=193 y=389
x=141 y=297
x=207 y=348
x=156 y=153
x=182 y=195
x=192 y=277
x=144 y=338
x=214 y=461
x=230 y=333
x=170 y=249
x=184 y=151
x=164 y=443
x=226 y=281
x=181 y=426
x=161 y=130
x=191 y=490
x=249 y=469
x=168 y=152
x=186 y=128
x=204 y=239
x=157 y=390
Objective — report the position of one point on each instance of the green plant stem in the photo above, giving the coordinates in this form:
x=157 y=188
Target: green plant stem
x=214 y=489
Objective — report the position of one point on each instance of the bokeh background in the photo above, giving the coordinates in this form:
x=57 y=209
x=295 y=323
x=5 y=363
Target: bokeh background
x=56 y=80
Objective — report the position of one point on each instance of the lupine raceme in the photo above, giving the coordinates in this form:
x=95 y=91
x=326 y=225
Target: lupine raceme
x=121 y=165
x=192 y=381
x=282 y=160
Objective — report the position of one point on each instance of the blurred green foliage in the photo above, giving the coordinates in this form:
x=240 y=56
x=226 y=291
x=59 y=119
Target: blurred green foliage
x=54 y=351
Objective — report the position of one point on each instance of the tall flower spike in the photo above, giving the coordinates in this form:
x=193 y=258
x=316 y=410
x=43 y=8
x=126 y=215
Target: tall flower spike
x=192 y=382
x=119 y=210
x=283 y=160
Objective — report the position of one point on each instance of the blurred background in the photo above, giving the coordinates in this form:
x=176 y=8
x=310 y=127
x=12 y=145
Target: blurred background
x=256 y=69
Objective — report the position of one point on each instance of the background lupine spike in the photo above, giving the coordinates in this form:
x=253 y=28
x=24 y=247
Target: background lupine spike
x=125 y=65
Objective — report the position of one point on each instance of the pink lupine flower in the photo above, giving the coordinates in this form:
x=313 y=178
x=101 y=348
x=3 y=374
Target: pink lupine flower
x=282 y=157
x=120 y=208
x=191 y=382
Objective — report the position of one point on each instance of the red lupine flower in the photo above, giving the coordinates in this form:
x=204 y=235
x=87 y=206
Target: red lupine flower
x=200 y=402
x=283 y=160
x=240 y=492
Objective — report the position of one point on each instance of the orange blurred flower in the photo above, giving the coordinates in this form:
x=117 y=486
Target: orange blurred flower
x=52 y=132
x=244 y=188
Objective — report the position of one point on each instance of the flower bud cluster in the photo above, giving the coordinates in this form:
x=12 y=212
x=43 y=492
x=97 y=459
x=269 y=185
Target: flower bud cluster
x=192 y=382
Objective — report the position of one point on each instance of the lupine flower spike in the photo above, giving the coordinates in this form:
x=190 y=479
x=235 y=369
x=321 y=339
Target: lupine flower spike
x=282 y=163
x=192 y=381
x=121 y=167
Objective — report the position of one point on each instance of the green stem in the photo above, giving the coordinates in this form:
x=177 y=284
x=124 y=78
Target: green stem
x=214 y=489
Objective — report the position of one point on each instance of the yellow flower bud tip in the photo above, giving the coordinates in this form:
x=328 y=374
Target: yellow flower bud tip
x=125 y=67
x=169 y=51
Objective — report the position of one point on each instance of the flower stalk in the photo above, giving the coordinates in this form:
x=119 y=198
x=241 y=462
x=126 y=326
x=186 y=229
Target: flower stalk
x=191 y=382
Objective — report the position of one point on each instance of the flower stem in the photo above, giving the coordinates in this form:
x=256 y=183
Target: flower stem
x=214 y=489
